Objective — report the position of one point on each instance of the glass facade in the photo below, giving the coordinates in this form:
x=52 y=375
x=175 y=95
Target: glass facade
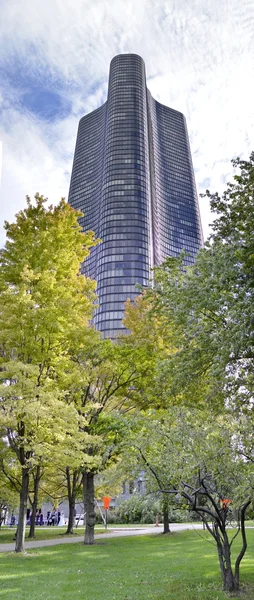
x=133 y=179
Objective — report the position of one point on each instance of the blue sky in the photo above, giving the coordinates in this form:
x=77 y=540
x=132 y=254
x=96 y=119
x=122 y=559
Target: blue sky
x=54 y=61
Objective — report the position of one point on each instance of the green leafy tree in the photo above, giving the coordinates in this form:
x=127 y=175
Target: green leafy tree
x=114 y=376
x=221 y=494
x=211 y=304
x=45 y=307
x=194 y=458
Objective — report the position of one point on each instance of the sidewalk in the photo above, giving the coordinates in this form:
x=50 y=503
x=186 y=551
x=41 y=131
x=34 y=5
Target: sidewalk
x=111 y=533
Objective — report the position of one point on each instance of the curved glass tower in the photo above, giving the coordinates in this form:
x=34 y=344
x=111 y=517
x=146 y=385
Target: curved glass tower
x=133 y=179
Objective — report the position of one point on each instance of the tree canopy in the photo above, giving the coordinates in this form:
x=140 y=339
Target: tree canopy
x=45 y=307
x=210 y=305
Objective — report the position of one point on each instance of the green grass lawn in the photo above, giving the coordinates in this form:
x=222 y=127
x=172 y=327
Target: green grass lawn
x=48 y=533
x=43 y=533
x=179 y=566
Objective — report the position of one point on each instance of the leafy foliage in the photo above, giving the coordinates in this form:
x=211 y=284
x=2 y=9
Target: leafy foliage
x=45 y=307
x=203 y=372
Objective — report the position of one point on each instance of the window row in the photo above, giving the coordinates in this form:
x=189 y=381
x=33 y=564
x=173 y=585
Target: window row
x=137 y=279
x=109 y=315
x=109 y=298
x=134 y=262
x=109 y=291
x=130 y=204
x=138 y=186
x=134 y=232
x=116 y=269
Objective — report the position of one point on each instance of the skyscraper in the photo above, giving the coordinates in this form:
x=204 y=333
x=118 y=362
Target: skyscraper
x=133 y=179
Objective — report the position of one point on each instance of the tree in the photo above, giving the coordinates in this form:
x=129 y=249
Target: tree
x=114 y=375
x=156 y=339
x=153 y=340
x=217 y=508
x=45 y=307
x=193 y=458
x=210 y=304
x=222 y=492
x=150 y=447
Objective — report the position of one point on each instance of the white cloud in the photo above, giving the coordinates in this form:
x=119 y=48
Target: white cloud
x=199 y=59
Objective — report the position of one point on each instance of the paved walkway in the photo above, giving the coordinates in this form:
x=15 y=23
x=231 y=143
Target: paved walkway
x=111 y=533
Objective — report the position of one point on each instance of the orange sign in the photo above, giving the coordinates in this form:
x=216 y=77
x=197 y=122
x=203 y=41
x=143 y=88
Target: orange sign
x=224 y=503
x=106 y=502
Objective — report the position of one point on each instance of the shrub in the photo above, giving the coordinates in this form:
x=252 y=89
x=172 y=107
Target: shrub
x=141 y=509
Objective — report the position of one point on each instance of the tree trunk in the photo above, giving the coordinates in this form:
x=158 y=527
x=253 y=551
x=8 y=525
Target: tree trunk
x=21 y=529
x=228 y=579
x=229 y=583
x=88 y=491
x=70 y=526
x=241 y=554
x=71 y=487
x=165 y=515
x=35 y=502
